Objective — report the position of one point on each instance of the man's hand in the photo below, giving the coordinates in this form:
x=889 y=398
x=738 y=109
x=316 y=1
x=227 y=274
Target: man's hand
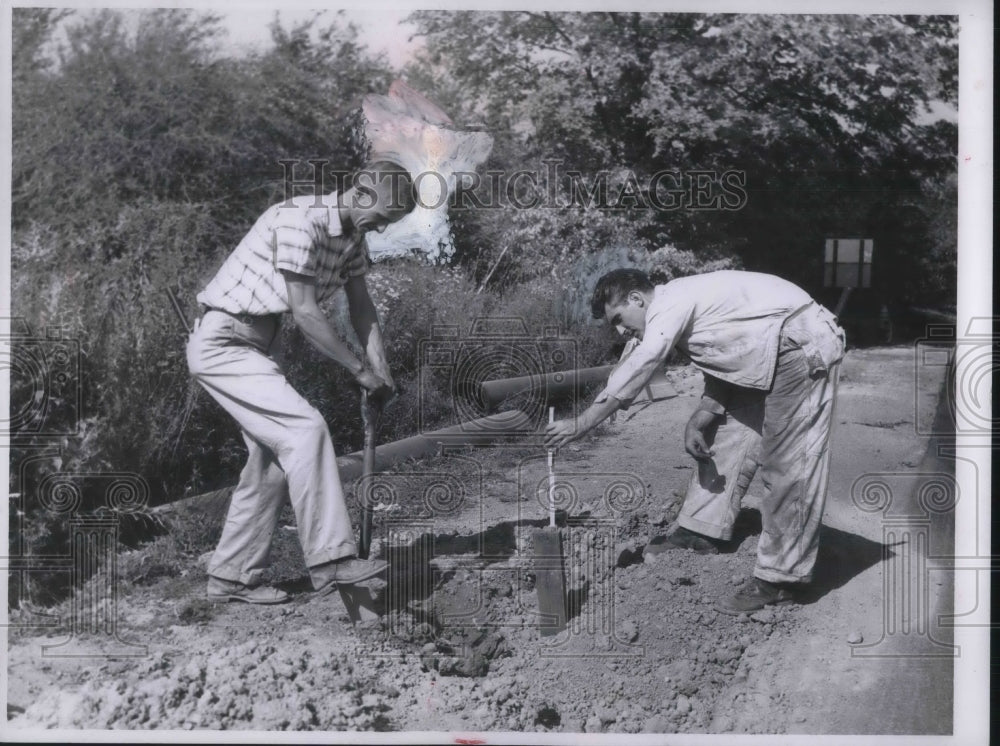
x=368 y=380
x=385 y=376
x=364 y=318
x=694 y=444
x=558 y=434
x=562 y=432
x=694 y=435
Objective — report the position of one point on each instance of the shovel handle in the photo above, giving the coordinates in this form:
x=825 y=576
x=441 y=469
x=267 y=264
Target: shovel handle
x=368 y=417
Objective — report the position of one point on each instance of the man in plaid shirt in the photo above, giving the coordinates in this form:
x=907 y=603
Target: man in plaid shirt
x=297 y=254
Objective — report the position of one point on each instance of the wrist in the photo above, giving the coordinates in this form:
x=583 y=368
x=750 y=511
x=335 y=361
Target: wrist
x=702 y=418
x=711 y=406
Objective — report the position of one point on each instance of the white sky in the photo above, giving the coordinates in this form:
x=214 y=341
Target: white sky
x=380 y=24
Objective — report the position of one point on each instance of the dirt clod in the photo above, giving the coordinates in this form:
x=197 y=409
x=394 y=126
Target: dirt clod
x=656 y=724
x=630 y=631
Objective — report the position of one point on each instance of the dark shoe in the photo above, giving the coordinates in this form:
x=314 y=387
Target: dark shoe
x=223 y=591
x=756 y=596
x=346 y=571
x=684 y=539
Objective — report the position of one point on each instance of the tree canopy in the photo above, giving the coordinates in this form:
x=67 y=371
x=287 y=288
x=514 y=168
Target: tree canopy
x=827 y=116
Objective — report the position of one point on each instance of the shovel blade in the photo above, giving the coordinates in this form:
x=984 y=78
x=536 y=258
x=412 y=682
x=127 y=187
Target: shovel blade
x=549 y=580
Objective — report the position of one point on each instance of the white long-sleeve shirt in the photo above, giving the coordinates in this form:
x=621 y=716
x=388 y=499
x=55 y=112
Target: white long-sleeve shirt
x=727 y=322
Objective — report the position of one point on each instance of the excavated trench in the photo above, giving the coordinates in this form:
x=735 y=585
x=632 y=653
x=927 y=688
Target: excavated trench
x=644 y=649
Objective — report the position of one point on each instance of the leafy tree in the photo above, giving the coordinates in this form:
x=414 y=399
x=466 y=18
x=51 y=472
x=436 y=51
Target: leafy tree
x=141 y=157
x=825 y=115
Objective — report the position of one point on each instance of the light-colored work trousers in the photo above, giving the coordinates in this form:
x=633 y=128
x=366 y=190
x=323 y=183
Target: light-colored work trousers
x=786 y=433
x=290 y=450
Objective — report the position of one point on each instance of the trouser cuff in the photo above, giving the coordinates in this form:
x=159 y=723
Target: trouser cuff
x=251 y=577
x=776 y=576
x=348 y=549
x=711 y=530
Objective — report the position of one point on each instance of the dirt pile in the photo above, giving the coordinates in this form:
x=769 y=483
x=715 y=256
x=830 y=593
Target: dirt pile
x=459 y=648
x=253 y=685
x=644 y=649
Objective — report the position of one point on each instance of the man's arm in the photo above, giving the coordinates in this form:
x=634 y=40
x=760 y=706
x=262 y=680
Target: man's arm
x=317 y=329
x=711 y=407
x=664 y=324
x=364 y=319
x=667 y=319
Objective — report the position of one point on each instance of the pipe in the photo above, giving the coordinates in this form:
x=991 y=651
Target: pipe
x=555 y=385
x=482 y=431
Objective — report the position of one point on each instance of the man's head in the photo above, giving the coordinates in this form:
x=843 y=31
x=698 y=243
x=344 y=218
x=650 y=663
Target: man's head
x=622 y=297
x=382 y=193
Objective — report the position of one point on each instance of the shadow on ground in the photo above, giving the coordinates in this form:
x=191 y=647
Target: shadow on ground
x=842 y=555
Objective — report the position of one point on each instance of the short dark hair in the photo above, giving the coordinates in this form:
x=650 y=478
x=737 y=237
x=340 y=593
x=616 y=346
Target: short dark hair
x=614 y=286
x=404 y=197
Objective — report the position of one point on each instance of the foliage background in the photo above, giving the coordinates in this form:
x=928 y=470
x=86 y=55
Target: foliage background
x=143 y=150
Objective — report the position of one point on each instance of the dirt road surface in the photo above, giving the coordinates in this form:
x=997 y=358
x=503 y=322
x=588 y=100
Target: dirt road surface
x=459 y=650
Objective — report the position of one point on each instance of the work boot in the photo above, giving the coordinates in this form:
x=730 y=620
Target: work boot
x=756 y=596
x=344 y=571
x=223 y=591
x=682 y=538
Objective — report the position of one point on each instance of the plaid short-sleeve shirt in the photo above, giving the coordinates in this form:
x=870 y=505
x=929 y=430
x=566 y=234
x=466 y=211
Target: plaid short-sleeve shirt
x=298 y=235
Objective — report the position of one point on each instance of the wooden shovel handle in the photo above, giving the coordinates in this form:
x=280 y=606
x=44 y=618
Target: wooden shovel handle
x=369 y=416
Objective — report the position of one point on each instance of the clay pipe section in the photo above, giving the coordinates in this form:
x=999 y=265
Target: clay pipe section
x=483 y=431
x=554 y=385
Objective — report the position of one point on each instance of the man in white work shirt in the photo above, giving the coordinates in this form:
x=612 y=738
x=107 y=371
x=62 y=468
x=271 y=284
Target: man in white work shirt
x=296 y=255
x=771 y=358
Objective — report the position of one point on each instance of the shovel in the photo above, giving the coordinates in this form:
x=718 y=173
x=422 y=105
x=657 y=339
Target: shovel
x=358 y=599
